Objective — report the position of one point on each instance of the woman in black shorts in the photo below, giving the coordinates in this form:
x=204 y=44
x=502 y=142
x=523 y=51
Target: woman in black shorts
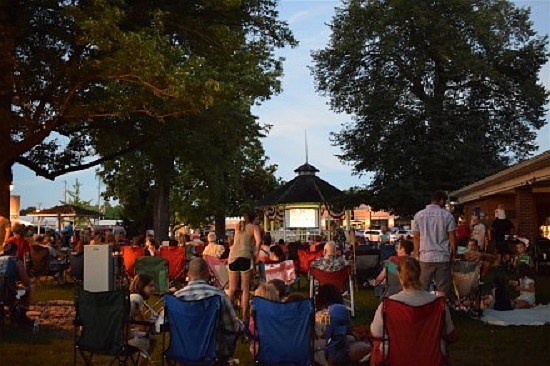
x=241 y=258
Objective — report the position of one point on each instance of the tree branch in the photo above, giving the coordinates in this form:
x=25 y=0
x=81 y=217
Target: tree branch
x=51 y=175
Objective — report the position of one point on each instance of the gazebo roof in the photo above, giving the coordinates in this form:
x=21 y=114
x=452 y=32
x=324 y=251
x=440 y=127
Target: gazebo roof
x=65 y=211
x=306 y=187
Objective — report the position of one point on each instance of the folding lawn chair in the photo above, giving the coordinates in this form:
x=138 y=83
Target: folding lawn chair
x=176 y=262
x=304 y=260
x=466 y=277
x=367 y=263
x=157 y=268
x=101 y=326
x=192 y=326
x=341 y=279
x=412 y=335
x=77 y=267
x=283 y=271
x=40 y=264
x=129 y=256
x=284 y=332
x=218 y=271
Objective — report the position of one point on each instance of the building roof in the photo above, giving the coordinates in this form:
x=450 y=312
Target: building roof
x=533 y=171
x=306 y=187
x=65 y=211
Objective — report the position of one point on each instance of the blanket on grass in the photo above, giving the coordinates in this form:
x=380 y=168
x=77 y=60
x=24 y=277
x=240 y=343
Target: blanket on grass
x=539 y=315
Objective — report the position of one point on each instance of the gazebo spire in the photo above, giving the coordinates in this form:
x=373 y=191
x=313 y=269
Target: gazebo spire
x=307 y=150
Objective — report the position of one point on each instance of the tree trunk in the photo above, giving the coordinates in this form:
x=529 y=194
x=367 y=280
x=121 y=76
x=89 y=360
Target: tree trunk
x=161 y=215
x=8 y=12
x=219 y=221
x=5 y=181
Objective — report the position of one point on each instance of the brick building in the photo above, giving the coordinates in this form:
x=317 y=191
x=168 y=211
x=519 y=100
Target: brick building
x=523 y=190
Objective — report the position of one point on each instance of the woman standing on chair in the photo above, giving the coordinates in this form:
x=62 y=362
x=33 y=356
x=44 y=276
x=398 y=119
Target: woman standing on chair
x=241 y=258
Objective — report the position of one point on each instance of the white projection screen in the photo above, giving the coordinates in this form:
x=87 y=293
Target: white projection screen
x=302 y=218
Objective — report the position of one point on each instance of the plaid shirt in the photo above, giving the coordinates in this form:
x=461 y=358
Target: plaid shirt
x=227 y=326
x=331 y=263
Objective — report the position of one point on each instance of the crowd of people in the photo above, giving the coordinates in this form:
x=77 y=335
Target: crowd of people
x=424 y=273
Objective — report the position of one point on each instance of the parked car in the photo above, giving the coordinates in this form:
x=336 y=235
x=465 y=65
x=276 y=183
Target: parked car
x=373 y=235
x=399 y=234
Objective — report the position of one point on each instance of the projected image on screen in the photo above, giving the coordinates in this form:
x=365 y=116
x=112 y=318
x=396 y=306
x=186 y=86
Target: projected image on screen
x=302 y=218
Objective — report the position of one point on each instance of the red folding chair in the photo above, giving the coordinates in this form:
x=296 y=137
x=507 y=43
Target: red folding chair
x=338 y=279
x=218 y=270
x=413 y=335
x=304 y=260
x=176 y=261
x=129 y=256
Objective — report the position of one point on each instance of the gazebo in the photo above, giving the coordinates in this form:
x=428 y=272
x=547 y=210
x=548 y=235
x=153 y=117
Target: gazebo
x=300 y=203
x=62 y=212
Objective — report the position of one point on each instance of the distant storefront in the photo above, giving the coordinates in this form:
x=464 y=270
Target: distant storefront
x=523 y=190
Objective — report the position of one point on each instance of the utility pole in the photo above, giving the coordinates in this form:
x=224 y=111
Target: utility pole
x=65 y=191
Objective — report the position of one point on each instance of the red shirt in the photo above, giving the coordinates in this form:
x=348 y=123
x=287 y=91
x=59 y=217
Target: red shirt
x=463 y=231
x=23 y=247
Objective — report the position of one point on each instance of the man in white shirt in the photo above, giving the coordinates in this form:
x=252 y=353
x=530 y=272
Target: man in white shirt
x=435 y=244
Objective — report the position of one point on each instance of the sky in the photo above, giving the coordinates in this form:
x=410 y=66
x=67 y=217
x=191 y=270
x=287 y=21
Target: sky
x=297 y=109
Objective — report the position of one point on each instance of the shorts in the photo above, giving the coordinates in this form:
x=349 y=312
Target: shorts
x=502 y=247
x=241 y=265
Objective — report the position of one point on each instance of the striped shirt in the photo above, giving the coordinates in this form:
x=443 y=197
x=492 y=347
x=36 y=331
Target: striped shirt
x=227 y=325
x=434 y=225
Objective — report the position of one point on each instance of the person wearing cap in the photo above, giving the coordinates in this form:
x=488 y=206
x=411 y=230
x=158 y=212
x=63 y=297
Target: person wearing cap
x=14 y=271
x=213 y=249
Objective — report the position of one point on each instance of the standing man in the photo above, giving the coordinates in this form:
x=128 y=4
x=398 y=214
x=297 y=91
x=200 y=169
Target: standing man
x=479 y=233
x=435 y=244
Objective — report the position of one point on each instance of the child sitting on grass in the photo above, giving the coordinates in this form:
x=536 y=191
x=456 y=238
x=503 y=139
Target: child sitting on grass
x=526 y=287
x=522 y=256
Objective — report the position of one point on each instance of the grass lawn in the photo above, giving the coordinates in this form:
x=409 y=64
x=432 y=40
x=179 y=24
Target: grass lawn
x=478 y=344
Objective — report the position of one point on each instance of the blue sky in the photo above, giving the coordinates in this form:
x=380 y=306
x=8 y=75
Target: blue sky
x=296 y=109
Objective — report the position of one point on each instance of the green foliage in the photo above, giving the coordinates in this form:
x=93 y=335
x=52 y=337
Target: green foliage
x=203 y=156
x=442 y=93
x=28 y=210
x=74 y=198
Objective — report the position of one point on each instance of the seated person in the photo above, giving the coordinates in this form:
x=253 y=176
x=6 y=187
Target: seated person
x=500 y=299
x=333 y=331
x=522 y=256
x=473 y=254
x=412 y=294
x=330 y=262
x=276 y=254
x=268 y=292
x=141 y=288
x=281 y=288
x=151 y=246
x=526 y=287
x=14 y=271
x=404 y=249
x=198 y=288
x=58 y=260
x=18 y=238
x=213 y=249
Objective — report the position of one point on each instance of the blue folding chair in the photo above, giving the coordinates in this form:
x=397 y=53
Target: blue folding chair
x=192 y=326
x=284 y=332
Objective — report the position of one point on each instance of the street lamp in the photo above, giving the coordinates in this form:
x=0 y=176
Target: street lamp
x=11 y=186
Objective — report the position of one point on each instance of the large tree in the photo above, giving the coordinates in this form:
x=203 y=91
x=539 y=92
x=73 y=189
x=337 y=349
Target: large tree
x=235 y=41
x=442 y=93
x=69 y=68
